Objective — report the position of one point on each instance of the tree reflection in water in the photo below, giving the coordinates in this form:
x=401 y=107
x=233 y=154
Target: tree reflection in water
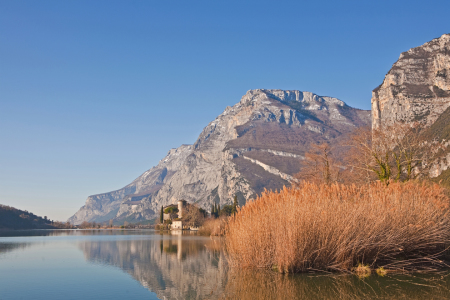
x=175 y=265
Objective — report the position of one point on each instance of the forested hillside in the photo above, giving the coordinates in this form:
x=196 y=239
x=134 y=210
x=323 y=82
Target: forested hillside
x=12 y=218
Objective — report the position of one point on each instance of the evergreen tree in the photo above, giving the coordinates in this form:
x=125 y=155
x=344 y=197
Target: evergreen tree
x=161 y=217
x=212 y=210
x=235 y=204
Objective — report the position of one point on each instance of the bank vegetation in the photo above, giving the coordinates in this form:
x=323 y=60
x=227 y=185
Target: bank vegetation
x=402 y=226
x=370 y=208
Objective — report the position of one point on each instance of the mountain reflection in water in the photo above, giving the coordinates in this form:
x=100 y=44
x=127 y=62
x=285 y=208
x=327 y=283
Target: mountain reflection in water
x=174 y=266
x=183 y=266
x=177 y=265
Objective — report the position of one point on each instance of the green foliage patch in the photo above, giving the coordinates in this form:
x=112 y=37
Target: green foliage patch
x=171 y=210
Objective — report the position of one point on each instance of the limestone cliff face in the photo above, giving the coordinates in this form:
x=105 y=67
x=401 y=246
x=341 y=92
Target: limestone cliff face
x=252 y=145
x=417 y=88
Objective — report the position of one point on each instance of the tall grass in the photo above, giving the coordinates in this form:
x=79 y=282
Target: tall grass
x=213 y=227
x=336 y=227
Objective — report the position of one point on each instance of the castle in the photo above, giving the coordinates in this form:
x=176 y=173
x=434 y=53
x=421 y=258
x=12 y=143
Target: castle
x=175 y=213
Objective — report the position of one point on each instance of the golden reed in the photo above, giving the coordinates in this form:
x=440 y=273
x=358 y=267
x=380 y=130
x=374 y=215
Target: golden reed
x=213 y=227
x=403 y=226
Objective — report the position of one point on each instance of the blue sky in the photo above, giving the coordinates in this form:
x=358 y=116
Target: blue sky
x=93 y=93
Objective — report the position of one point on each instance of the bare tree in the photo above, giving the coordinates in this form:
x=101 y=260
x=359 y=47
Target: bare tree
x=193 y=215
x=85 y=225
x=389 y=153
x=320 y=165
x=415 y=152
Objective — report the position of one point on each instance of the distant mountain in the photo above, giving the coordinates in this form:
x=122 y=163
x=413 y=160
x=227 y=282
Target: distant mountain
x=12 y=218
x=257 y=144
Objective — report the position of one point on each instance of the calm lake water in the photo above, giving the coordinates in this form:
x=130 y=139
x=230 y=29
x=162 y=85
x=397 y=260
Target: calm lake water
x=145 y=264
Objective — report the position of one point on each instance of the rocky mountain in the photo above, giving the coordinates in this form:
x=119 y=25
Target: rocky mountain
x=103 y=207
x=256 y=144
x=417 y=88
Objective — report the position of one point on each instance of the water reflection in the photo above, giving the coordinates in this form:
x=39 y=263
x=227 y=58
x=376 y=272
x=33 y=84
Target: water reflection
x=8 y=247
x=270 y=285
x=178 y=265
x=174 y=265
x=74 y=232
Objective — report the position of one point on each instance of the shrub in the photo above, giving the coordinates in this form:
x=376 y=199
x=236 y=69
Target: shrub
x=226 y=210
x=335 y=227
x=381 y=271
x=162 y=226
x=193 y=216
x=213 y=227
x=362 y=270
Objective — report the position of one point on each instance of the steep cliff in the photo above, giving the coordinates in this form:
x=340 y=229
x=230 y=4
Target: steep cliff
x=252 y=145
x=417 y=88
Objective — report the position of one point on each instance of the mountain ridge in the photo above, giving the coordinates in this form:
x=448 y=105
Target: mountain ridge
x=255 y=144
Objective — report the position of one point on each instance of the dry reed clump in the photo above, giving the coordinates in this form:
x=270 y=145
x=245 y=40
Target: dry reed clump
x=381 y=271
x=214 y=227
x=403 y=226
x=362 y=270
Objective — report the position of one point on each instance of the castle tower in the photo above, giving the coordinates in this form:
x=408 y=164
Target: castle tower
x=180 y=208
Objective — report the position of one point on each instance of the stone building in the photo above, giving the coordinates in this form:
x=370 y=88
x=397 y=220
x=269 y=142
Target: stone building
x=177 y=225
x=180 y=207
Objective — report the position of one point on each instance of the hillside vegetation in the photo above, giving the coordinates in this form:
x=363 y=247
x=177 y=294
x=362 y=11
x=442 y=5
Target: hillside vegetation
x=12 y=218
